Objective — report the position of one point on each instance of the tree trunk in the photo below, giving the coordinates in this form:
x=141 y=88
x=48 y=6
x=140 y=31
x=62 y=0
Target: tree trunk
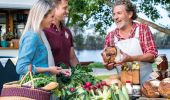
x=155 y=26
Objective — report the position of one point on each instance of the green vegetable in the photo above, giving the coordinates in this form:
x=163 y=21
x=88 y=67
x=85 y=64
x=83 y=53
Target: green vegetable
x=125 y=93
x=42 y=80
x=63 y=80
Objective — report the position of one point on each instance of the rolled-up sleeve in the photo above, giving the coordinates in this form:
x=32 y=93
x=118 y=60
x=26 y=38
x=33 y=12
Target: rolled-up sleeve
x=150 y=46
x=26 y=53
x=107 y=39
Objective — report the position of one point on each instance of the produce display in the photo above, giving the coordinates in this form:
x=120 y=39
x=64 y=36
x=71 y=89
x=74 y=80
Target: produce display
x=84 y=86
x=81 y=85
x=41 y=81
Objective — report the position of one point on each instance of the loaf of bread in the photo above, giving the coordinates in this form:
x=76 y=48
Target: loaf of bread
x=113 y=79
x=50 y=86
x=109 y=54
x=164 y=88
x=150 y=89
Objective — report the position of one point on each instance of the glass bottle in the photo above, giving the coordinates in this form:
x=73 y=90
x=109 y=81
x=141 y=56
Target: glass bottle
x=163 y=66
x=11 y=44
x=129 y=87
x=135 y=73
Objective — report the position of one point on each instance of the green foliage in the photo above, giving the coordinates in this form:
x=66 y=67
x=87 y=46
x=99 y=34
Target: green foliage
x=42 y=81
x=80 y=75
x=79 y=41
x=81 y=12
x=149 y=10
x=94 y=42
x=96 y=65
x=102 y=77
x=62 y=79
x=89 y=42
x=76 y=77
x=162 y=40
x=97 y=14
x=8 y=36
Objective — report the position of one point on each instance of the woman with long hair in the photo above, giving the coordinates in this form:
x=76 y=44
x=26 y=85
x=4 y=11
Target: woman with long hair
x=34 y=48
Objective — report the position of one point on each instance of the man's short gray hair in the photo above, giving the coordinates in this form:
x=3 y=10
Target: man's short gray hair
x=129 y=7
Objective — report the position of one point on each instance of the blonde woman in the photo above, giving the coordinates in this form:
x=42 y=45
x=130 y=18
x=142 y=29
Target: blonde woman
x=34 y=48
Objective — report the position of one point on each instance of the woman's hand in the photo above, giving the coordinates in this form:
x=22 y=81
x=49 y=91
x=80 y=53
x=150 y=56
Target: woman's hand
x=66 y=72
x=55 y=69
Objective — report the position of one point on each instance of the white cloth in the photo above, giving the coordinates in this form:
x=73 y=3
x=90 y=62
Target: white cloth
x=47 y=45
x=132 y=47
x=3 y=61
x=14 y=60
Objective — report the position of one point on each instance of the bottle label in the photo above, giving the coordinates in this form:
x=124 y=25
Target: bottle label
x=158 y=60
x=154 y=75
x=136 y=90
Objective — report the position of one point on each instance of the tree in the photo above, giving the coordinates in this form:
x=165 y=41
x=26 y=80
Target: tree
x=79 y=41
x=94 y=42
x=90 y=43
x=82 y=12
x=162 y=40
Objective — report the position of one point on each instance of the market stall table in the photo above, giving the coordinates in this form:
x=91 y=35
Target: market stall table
x=145 y=98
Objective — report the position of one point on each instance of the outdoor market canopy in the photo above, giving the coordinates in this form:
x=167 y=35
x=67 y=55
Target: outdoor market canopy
x=16 y=4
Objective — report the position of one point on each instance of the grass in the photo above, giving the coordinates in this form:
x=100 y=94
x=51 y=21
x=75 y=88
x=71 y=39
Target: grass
x=100 y=65
x=96 y=65
x=102 y=77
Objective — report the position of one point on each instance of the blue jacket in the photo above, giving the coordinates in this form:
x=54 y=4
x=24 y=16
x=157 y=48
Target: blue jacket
x=31 y=51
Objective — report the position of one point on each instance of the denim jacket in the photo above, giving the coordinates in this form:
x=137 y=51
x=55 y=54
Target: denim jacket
x=31 y=51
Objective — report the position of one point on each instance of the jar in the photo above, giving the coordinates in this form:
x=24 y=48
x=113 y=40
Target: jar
x=136 y=91
x=129 y=87
x=135 y=73
x=136 y=76
x=164 y=64
x=168 y=74
x=11 y=45
x=160 y=77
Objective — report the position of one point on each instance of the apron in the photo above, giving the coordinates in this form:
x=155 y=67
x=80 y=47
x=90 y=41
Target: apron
x=132 y=47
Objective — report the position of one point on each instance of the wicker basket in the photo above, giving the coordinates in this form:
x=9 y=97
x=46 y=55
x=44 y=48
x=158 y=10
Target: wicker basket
x=15 y=98
x=16 y=89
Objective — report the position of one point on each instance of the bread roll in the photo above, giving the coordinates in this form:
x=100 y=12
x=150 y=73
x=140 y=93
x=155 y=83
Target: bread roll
x=164 y=88
x=110 y=54
x=50 y=86
x=150 y=90
x=114 y=79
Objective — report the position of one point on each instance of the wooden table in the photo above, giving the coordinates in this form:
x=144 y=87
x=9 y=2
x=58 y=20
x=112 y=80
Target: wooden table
x=145 y=98
x=9 y=51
